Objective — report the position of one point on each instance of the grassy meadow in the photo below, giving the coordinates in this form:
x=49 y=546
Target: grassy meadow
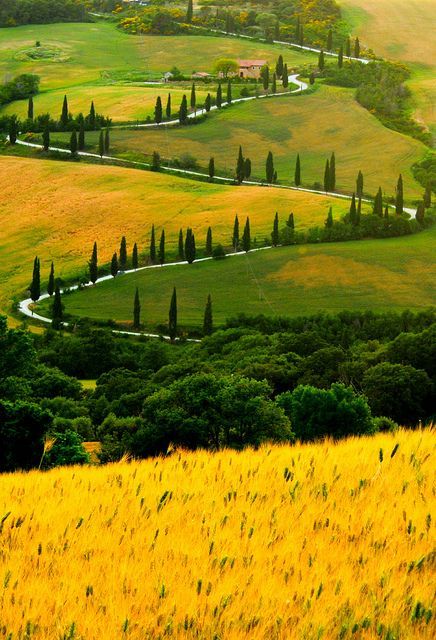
x=314 y=541
x=390 y=274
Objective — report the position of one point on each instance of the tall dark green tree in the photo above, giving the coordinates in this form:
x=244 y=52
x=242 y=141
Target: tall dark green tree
x=357 y=48
x=30 y=108
x=246 y=236
x=399 y=196
x=275 y=231
x=285 y=77
x=136 y=310
x=64 y=114
x=101 y=144
x=240 y=166
x=209 y=247
x=247 y=168
x=235 y=237
x=114 y=265
x=190 y=250
x=219 y=96
x=189 y=12
x=57 y=313
x=172 y=316
x=208 y=103
x=193 y=97
x=183 y=111
x=264 y=74
x=321 y=60
x=358 y=211
x=353 y=211
x=279 y=66
x=274 y=84
x=329 y=45
x=123 y=254
x=297 y=174
x=229 y=92
x=81 y=136
x=327 y=176
x=93 y=265
x=211 y=168
x=46 y=138
x=181 y=248
x=153 y=245
x=332 y=180
x=51 y=281
x=35 y=286
x=270 y=167
x=341 y=57
x=91 y=116
x=107 y=141
x=329 y=220
x=427 y=197
x=208 y=319
x=386 y=214
x=291 y=222
x=161 y=253
x=135 y=259
x=158 y=110
x=168 y=107
x=378 y=204
x=73 y=142
x=348 y=47
x=13 y=129
x=359 y=184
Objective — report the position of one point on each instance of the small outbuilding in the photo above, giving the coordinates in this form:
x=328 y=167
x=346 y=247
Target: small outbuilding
x=251 y=68
x=201 y=75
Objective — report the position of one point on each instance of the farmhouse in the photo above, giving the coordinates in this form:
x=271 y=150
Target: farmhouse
x=250 y=68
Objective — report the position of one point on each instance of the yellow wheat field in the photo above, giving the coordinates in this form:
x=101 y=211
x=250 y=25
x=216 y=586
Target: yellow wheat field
x=318 y=541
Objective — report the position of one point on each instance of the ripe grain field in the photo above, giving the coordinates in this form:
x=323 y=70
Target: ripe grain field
x=315 y=541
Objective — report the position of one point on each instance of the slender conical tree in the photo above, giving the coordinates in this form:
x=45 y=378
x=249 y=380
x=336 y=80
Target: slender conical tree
x=158 y=110
x=297 y=174
x=51 y=281
x=270 y=167
x=123 y=254
x=101 y=144
x=183 y=111
x=93 y=265
x=427 y=197
x=189 y=12
x=247 y=168
x=91 y=116
x=321 y=60
x=279 y=66
x=81 y=136
x=358 y=211
x=229 y=92
x=46 y=138
x=274 y=84
x=114 y=265
x=153 y=245
x=341 y=57
x=107 y=141
x=172 y=316
x=64 y=115
x=246 y=236
x=359 y=184
x=209 y=246
x=181 y=249
x=291 y=223
x=264 y=73
x=275 y=231
x=190 y=250
x=208 y=103
x=329 y=221
x=348 y=47
x=357 y=48
x=135 y=259
x=168 y=107
x=327 y=176
x=378 y=204
x=211 y=168
x=161 y=254
x=57 y=313
x=235 y=237
x=399 y=197
x=35 y=287
x=329 y=45
x=332 y=180
x=136 y=310
x=30 y=108
x=73 y=142
x=193 y=101
x=285 y=77
x=386 y=215
x=240 y=167
x=353 y=211
x=420 y=213
x=219 y=96
x=208 y=320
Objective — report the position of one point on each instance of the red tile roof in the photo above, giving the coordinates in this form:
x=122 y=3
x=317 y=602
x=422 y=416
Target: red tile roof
x=251 y=63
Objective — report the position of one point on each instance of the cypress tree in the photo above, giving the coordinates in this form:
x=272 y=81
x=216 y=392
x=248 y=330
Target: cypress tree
x=291 y=223
x=13 y=130
x=270 y=168
x=275 y=231
x=386 y=216
x=321 y=60
x=51 y=281
x=46 y=138
x=420 y=213
x=81 y=137
x=123 y=254
x=91 y=116
x=357 y=48
x=235 y=237
x=219 y=96
x=168 y=107
x=101 y=144
x=73 y=142
x=136 y=310
x=246 y=236
x=285 y=77
x=207 y=103
x=135 y=260
x=332 y=180
x=279 y=66
x=240 y=167
x=297 y=175
x=341 y=57
x=114 y=265
x=208 y=320
x=264 y=73
x=378 y=204
x=172 y=316
x=247 y=168
x=190 y=250
x=399 y=199
x=359 y=184
x=93 y=265
x=153 y=245
x=35 y=287
x=107 y=141
x=211 y=169
x=353 y=212
x=348 y=47
x=158 y=110
x=193 y=101
x=162 y=247
x=183 y=111
x=329 y=46
x=329 y=221
x=57 y=309
x=427 y=197
x=181 y=251
x=209 y=247
x=359 y=211
x=189 y=12
x=229 y=92
x=30 y=108
x=274 y=84
x=64 y=114
x=327 y=176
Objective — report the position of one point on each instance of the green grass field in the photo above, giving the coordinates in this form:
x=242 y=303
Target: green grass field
x=392 y=274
